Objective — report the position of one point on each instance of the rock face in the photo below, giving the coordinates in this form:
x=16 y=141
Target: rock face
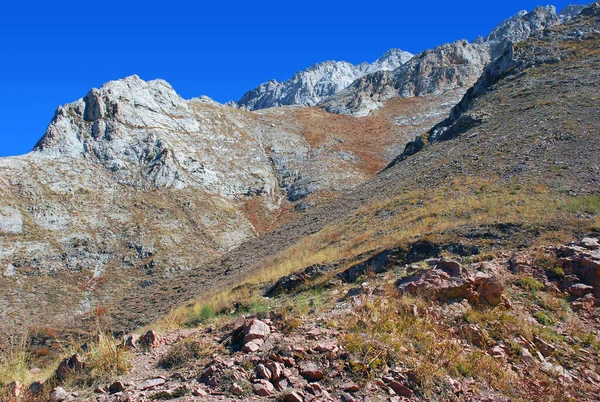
x=447 y=67
x=318 y=82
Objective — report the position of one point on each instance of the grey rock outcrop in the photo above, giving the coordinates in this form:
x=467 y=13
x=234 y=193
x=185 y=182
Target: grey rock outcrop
x=318 y=82
x=445 y=68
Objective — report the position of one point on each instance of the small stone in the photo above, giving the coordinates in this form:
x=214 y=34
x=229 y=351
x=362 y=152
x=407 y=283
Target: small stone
x=150 y=339
x=115 y=387
x=276 y=370
x=263 y=388
x=400 y=389
x=526 y=356
x=256 y=329
x=311 y=372
x=252 y=346
x=293 y=397
x=131 y=341
x=350 y=387
x=236 y=389
x=58 y=394
x=327 y=346
x=153 y=383
x=263 y=372
x=199 y=392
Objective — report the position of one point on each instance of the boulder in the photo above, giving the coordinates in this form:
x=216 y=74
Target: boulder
x=489 y=288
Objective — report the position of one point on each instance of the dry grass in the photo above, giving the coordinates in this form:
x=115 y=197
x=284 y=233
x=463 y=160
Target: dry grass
x=384 y=334
x=468 y=203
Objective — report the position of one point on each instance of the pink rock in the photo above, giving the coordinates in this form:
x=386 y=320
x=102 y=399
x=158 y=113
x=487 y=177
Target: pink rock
x=327 y=346
x=263 y=388
x=150 y=339
x=263 y=372
x=253 y=346
x=293 y=397
x=400 y=389
x=276 y=370
x=236 y=389
x=311 y=372
x=256 y=329
x=350 y=387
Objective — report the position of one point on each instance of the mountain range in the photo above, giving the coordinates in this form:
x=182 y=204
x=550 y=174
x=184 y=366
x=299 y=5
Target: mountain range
x=136 y=201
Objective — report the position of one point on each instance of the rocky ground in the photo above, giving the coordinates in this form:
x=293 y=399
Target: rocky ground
x=522 y=327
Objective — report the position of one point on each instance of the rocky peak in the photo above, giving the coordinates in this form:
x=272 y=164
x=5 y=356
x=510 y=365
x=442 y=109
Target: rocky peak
x=318 y=82
x=448 y=67
x=390 y=60
x=432 y=72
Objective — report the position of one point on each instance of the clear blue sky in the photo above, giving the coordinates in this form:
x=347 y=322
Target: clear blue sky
x=53 y=53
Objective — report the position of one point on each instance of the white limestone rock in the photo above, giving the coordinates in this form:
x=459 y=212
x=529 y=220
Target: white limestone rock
x=318 y=82
x=11 y=220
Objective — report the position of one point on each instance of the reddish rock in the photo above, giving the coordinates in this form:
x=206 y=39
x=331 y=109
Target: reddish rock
x=69 y=366
x=451 y=266
x=293 y=397
x=289 y=361
x=252 y=346
x=263 y=372
x=350 y=387
x=236 y=389
x=327 y=347
x=489 y=288
x=58 y=394
x=311 y=372
x=400 y=389
x=256 y=329
x=263 y=388
x=150 y=339
x=199 y=392
x=131 y=341
x=276 y=370
x=580 y=289
x=115 y=387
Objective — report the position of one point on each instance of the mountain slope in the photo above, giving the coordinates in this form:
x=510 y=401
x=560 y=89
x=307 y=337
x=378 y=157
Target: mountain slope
x=527 y=170
x=310 y=86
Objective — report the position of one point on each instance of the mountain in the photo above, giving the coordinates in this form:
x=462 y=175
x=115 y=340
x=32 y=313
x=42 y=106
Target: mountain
x=468 y=269
x=310 y=86
x=442 y=202
x=132 y=183
x=454 y=66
